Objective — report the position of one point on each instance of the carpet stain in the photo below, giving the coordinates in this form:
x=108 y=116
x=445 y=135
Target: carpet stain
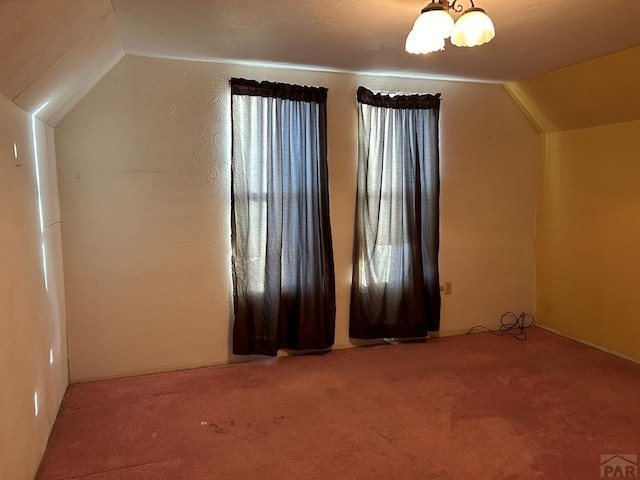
x=219 y=426
x=218 y=429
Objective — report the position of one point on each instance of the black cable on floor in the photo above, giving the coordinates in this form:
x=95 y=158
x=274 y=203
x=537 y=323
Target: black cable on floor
x=510 y=324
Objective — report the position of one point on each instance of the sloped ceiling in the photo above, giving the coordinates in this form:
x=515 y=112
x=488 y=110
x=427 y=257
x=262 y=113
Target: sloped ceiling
x=57 y=49
x=600 y=91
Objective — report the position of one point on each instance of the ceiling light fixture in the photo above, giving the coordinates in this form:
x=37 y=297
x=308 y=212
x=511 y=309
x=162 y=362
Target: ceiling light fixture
x=435 y=24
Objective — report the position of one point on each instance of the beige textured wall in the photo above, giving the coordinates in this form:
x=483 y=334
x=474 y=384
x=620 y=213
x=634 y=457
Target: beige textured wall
x=588 y=262
x=31 y=319
x=144 y=186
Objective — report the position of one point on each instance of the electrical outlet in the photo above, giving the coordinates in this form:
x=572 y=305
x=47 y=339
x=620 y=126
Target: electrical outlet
x=448 y=289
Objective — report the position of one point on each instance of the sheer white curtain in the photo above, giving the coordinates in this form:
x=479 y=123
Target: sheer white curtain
x=395 y=287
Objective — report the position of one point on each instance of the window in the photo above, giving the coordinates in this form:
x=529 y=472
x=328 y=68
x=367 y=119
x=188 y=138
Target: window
x=282 y=258
x=395 y=286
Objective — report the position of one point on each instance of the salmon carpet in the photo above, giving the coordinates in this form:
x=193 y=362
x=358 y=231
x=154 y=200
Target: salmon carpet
x=466 y=407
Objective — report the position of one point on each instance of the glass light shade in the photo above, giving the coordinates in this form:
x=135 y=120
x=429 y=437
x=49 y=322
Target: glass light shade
x=473 y=28
x=430 y=29
x=434 y=22
x=418 y=42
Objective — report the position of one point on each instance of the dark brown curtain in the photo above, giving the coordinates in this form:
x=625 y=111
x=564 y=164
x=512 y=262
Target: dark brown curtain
x=283 y=274
x=395 y=289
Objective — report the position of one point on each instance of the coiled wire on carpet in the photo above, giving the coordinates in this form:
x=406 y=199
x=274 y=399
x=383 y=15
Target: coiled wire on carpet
x=510 y=324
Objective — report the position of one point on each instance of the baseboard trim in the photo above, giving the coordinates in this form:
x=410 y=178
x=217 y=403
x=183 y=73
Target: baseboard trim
x=589 y=344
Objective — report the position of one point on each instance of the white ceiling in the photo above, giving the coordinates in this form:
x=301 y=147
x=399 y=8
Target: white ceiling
x=57 y=50
x=533 y=36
